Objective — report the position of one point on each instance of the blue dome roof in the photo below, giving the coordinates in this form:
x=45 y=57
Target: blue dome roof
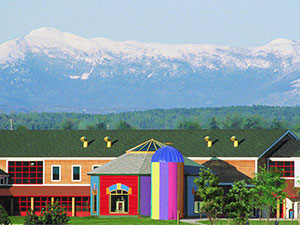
x=167 y=154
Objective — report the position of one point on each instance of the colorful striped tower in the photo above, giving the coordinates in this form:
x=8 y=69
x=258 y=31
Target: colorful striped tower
x=167 y=184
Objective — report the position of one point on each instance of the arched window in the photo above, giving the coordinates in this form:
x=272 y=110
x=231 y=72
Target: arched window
x=118 y=198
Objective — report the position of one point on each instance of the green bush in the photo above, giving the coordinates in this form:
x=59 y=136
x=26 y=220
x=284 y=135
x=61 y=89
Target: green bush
x=52 y=214
x=4 y=219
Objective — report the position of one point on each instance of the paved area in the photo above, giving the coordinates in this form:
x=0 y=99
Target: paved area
x=193 y=221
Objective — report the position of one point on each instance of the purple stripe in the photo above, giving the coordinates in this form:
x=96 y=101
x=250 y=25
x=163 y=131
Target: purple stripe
x=145 y=198
x=163 y=190
x=172 y=191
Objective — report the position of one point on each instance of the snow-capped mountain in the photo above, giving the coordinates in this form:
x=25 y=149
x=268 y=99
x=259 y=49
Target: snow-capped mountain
x=50 y=70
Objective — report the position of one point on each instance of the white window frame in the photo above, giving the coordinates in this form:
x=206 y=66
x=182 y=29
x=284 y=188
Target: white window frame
x=79 y=173
x=198 y=203
x=59 y=166
x=95 y=165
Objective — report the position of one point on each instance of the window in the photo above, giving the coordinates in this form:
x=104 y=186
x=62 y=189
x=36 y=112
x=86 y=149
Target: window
x=197 y=206
x=41 y=203
x=55 y=175
x=22 y=203
x=286 y=169
x=82 y=204
x=3 y=181
x=119 y=201
x=95 y=167
x=64 y=202
x=76 y=171
x=26 y=172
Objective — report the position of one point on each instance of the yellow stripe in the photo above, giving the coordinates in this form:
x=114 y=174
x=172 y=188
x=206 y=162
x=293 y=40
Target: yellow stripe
x=155 y=191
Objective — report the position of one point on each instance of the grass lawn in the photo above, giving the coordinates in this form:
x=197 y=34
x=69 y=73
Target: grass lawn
x=106 y=220
x=254 y=222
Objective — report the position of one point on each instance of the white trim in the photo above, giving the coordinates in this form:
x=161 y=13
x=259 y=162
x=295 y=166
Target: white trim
x=255 y=171
x=52 y=173
x=55 y=158
x=288 y=132
x=283 y=158
x=223 y=158
x=96 y=165
x=41 y=185
x=79 y=173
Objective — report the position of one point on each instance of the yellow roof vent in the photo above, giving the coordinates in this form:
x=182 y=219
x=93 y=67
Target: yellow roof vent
x=85 y=141
x=108 y=141
x=209 y=141
x=235 y=141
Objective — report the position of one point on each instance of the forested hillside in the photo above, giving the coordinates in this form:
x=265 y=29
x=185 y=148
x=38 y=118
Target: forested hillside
x=237 y=117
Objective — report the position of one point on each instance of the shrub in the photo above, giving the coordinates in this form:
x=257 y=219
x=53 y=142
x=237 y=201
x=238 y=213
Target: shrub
x=4 y=219
x=52 y=214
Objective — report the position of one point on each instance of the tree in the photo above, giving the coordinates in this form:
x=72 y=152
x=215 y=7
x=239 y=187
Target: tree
x=123 y=125
x=52 y=214
x=255 y=122
x=236 y=121
x=210 y=194
x=68 y=124
x=4 y=219
x=239 y=202
x=188 y=125
x=268 y=187
x=213 y=123
x=277 y=124
x=101 y=125
x=22 y=127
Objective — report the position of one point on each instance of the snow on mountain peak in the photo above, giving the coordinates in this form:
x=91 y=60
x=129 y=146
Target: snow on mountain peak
x=281 y=41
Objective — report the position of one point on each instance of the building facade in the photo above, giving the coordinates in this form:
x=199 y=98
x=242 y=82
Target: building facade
x=41 y=167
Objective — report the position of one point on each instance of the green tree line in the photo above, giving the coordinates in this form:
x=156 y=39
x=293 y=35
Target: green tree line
x=234 y=117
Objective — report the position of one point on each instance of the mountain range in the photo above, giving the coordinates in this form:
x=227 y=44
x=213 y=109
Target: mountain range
x=54 y=71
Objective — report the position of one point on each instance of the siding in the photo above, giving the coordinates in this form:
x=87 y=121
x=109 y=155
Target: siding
x=145 y=197
x=190 y=196
x=66 y=170
x=3 y=165
x=95 y=181
x=130 y=181
x=246 y=167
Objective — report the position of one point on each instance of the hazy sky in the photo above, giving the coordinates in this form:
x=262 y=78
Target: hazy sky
x=225 y=22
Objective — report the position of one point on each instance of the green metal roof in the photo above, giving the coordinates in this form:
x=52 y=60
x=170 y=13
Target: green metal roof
x=66 y=143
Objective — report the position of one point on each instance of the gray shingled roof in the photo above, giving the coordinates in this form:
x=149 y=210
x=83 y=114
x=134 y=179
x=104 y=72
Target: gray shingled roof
x=138 y=164
x=289 y=149
x=3 y=173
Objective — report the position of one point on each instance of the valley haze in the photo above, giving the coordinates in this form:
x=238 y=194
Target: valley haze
x=54 y=71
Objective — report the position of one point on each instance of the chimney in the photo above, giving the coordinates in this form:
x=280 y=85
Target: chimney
x=85 y=142
x=108 y=141
x=235 y=141
x=209 y=142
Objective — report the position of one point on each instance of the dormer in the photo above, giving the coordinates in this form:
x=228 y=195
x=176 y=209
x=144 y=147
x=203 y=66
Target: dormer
x=3 y=178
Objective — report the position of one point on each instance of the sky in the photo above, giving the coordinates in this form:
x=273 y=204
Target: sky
x=222 y=22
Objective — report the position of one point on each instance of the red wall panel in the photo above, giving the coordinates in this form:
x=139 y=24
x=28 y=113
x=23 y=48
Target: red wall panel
x=130 y=181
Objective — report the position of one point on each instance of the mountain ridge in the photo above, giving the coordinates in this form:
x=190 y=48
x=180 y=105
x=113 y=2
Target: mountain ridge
x=47 y=68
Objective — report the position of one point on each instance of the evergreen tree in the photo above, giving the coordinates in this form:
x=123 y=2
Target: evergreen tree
x=188 y=125
x=123 y=125
x=213 y=123
x=4 y=219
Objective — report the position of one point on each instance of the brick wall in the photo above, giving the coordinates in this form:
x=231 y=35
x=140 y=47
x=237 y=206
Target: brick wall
x=66 y=170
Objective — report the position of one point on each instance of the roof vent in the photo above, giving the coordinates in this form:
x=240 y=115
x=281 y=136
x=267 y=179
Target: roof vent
x=209 y=142
x=235 y=141
x=108 y=141
x=85 y=141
